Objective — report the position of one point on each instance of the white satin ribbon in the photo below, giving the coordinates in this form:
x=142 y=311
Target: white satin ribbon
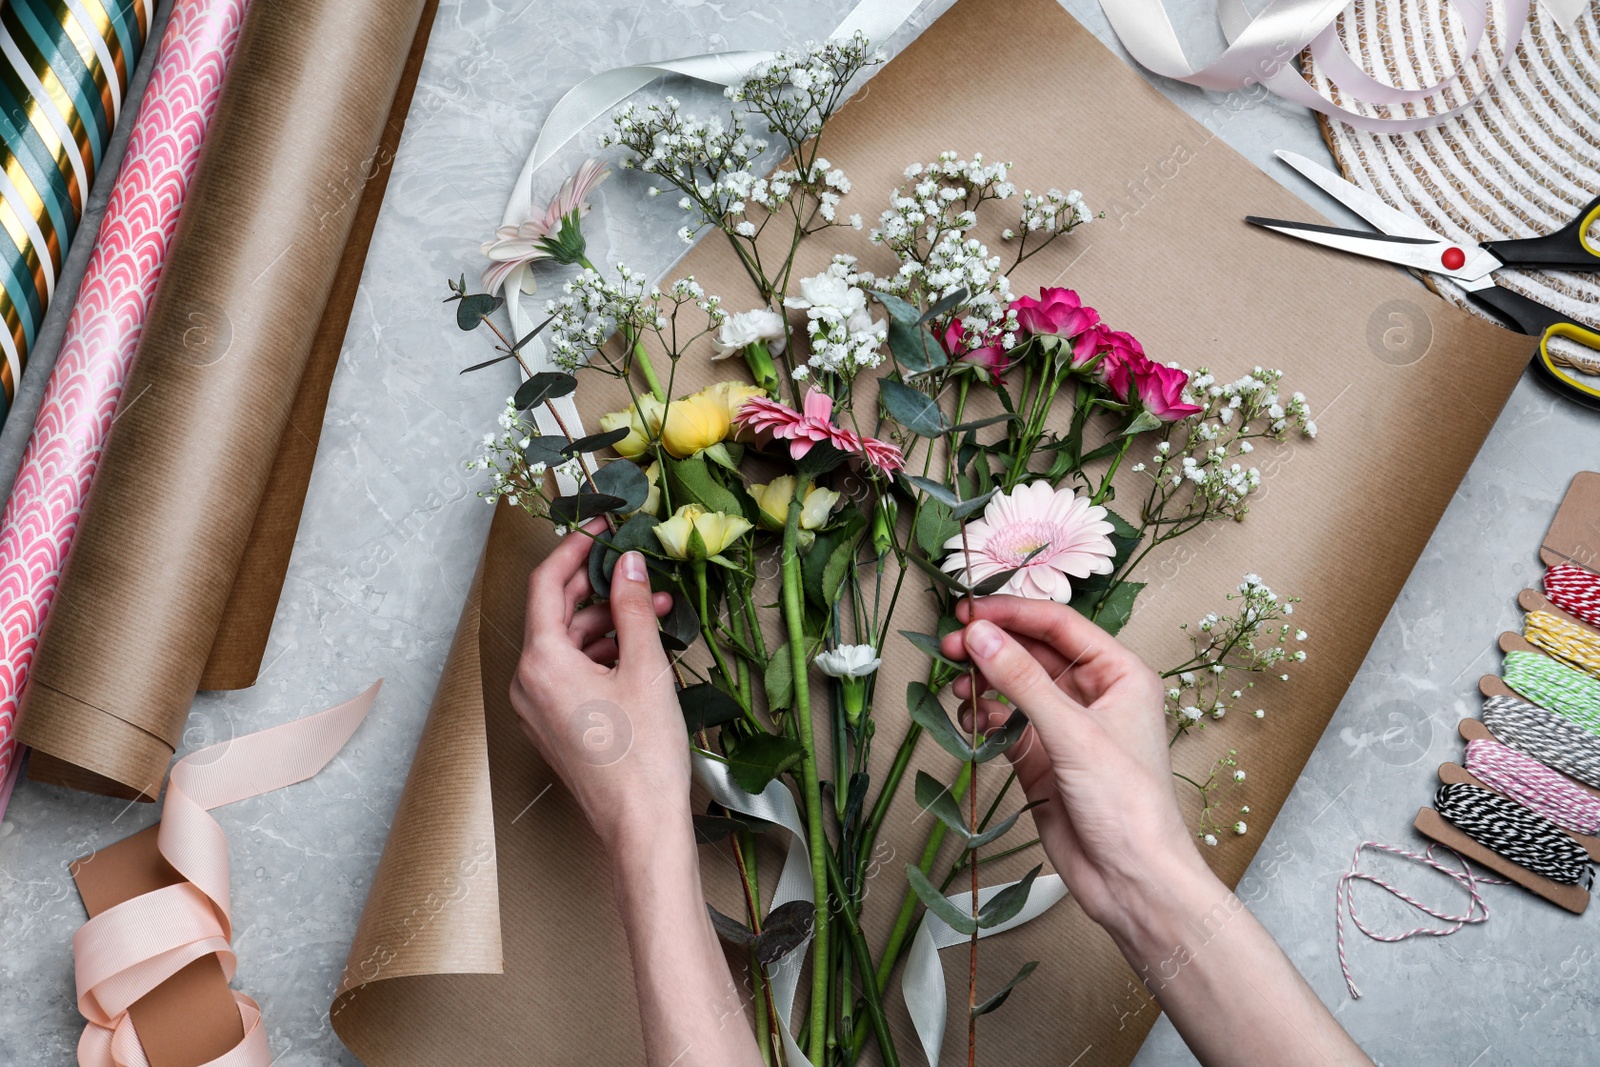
x=922 y=984
x=1261 y=49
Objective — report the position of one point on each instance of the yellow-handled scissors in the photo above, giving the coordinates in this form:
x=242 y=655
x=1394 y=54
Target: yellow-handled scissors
x=1407 y=241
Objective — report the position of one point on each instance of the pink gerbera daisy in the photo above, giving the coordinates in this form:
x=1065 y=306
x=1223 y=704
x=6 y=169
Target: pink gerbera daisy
x=812 y=426
x=515 y=247
x=1069 y=534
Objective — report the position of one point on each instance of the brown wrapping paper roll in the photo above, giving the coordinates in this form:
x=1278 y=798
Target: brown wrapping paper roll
x=478 y=844
x=217 y=427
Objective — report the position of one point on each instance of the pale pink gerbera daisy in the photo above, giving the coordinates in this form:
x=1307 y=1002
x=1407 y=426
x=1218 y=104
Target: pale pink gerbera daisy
x=518 y=246
x=813 y=426
x=1071 y=532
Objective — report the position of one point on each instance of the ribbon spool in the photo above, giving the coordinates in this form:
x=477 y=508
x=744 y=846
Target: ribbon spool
x=1574 y=590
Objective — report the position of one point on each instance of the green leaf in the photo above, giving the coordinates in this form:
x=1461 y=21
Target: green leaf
x=756 y=760
x=785 y=929
x=608 y=548
x=709 y=829
x=932 y=570
x=471 y=310
x=779 y=681
x=928 y=713
x=994 y=833
x=580 y=507
x=821 y=459
x=944 y=306
x=934 y=798
x=929 y=644
x=978 y=424
x=1141 y=423
x=596 y=441
x=1124 y=538
x=914 y=410
x=691 y=481
x=1005 y=991
x=1111 y=610
x=898 y=309
x=841 y=561
x=972 y=504
x=915 y=347
x=937 y=490
x=938 y=904
x=730 y=929
x=999 y=740
x=934 y=527
x=680 y=626
x=546 y=449
x=819 y=568
x=705 y=706
x=623 y=478
x=543 y=386
x=1004 y=905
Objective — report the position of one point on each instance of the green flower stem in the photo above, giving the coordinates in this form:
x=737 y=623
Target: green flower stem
x=794 y=621
x=871 y=985
x=641 y=358
x=744 y=856
x=729 y=678
x=1111 y=472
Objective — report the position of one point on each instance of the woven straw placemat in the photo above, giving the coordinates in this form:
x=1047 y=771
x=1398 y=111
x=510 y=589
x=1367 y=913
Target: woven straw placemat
x=1520 y=162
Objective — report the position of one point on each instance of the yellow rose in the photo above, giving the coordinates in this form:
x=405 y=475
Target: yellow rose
x=773 y=500
x=694 y=424
x=643 y=421
x=734 y=394
x=695 y=533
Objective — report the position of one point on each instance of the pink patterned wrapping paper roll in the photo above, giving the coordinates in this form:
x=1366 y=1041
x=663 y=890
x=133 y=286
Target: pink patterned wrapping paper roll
x=102 y=334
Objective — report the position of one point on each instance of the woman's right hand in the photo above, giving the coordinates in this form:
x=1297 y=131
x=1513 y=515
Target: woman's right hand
x=1094 y=757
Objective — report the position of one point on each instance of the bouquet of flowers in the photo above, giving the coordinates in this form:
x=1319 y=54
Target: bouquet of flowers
x=909 y=425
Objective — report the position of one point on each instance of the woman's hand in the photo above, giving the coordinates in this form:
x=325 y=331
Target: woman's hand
x=1094 y=756
x=602 y=709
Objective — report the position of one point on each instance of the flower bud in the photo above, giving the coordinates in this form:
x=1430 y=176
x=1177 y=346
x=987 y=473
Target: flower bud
x=884 y=517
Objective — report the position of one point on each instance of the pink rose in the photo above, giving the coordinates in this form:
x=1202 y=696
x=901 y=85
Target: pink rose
x=1108 y=352
x=1057 y=313
x=991 y=356
x=1161 y=391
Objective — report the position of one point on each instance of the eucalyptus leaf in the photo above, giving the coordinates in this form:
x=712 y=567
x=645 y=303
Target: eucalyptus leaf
x=471 y=310
x=546 y=449
x=596 y=441
x=915 y=347
x=972 y=504
x=501 y=358
x=937 y=490
x=1006 y=736
x=680 y=626
x=786 y=928
x=622 y=478
x=944 y=306
x=978 y=424
x=580 y=507
x=899 y=310
x=1004 y=905
x=709 y=829
x=929 y=644
x=933 y=797
x=914 y=410
x=754 y=761
x=938 y=904
x=1000 y=829
x=543 y=386
x=608 y=548
x=730 y=929
x=932 y=570
x=705 y=706
x=928 y=713
x=993 y=1002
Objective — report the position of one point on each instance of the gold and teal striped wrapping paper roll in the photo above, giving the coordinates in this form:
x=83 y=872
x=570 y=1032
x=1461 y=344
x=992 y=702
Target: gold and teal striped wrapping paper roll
x=64 y=70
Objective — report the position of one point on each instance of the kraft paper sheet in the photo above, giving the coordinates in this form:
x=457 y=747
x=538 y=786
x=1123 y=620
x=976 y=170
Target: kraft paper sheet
x=489 y=935
x=179 y=559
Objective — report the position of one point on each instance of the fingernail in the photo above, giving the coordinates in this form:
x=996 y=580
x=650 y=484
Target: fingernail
x=632 y=564
x=983 y=638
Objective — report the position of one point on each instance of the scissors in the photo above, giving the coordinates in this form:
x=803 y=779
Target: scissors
x=1408 y=242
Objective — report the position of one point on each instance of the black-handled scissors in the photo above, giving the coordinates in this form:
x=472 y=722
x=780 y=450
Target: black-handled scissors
x=1409 y=242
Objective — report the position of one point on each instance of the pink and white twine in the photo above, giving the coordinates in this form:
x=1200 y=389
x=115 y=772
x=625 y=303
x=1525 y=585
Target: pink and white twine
x=1525 y=779
x=80 y=400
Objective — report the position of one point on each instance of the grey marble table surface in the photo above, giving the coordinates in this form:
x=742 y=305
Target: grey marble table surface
x=392 y=530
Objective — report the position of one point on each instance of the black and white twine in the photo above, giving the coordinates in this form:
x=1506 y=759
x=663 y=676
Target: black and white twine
x=1515 y=832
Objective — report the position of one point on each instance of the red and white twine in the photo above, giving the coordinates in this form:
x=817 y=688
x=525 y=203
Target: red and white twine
x=1575 y=591
x=1344 y=900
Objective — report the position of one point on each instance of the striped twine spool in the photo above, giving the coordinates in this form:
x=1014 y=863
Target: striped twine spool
x=1555 y=686
x=1523 y=836
x=1568 y=642
x=1545 y=736
x=1525 y=779
x=1344 y=899
x=1575 y=591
